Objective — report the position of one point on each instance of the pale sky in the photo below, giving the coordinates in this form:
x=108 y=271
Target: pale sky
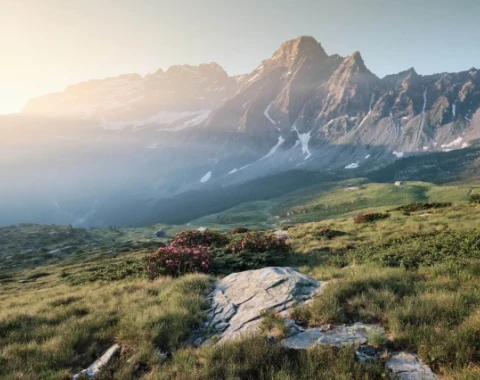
x=46 y=45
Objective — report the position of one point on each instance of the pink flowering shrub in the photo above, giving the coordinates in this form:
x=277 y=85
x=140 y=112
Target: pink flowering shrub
x=189 y=238
x=250 y=251
x=210 y=251
x=176 y=261
x=256 y=242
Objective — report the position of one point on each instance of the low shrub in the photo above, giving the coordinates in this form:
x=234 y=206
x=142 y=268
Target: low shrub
x=419 y=206
x=218 y=254
x=121 y=270
x=369 y=217
x=421 y=249
x=475 y=198
x=176 y=260
x=240 y=230
x=207 y=238
x=327 y=233
x=257 y=242
x=250 y=251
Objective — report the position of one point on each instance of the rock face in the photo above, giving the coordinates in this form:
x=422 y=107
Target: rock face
x=406 y=366
x=336 y=336
x=239 y=299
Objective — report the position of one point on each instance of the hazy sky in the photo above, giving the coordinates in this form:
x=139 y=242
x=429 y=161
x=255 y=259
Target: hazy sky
x=48 y=44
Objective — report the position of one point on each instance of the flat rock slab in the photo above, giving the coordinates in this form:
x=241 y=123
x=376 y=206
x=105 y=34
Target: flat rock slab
x=239 y=300
x=336 y=336
x=407 y=366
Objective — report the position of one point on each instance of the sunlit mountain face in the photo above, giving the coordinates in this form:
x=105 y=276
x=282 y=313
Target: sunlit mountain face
x=132 y=149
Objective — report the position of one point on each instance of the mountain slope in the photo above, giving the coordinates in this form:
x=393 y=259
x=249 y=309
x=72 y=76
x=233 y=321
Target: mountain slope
x=134 y=141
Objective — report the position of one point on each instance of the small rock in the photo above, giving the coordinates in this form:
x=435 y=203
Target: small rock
x=161 y=233
x=281 y=234
x=97 y=366
x=197 y=342
x=407 y=366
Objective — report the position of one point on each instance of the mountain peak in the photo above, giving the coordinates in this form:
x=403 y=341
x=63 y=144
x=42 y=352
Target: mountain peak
x=301 y=47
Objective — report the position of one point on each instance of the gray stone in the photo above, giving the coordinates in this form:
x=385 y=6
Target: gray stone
x=97 y=366
x=336 y=336
x=281 y=234
x=161 y=233
x=239 y=299
x=407 y=366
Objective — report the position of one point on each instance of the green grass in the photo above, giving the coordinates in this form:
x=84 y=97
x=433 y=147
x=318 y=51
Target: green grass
x=434 y=311
x=258 y=359
x=51 y=330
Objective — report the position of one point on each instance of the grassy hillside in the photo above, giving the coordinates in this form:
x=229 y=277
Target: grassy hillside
x=416 y=272
x=332 y=200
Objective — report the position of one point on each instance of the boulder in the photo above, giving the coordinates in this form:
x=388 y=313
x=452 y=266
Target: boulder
x=239 y=300
x=281 y=234
x=161 y=233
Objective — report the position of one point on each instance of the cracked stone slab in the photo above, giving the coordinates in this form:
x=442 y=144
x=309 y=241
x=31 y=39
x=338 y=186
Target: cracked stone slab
x=407 y=366
x=238 y=300
x=336 y=336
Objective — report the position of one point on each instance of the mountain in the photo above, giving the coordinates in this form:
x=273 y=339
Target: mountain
x=134 y=143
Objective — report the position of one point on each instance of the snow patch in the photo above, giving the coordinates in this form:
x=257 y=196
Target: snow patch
x=353 y=165
x=281 y=140
x=467 y=119
x=464 y=145
x=398 y=154
x=424 y=100
x=367 y=156
x=455 y=142
x=304 y=138
x=206 y=177
x=189 y=123
x=454 y=109
x=372 y=98
x=161 y=118
x=267 y=114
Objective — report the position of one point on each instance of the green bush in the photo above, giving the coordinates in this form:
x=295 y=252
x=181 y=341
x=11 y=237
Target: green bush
x=419 y=206
x=327 y=233
x=213 y=252
x=207 y=238
x=240 y=230
x=369 y=217
x=475 y=198
x=250 y=251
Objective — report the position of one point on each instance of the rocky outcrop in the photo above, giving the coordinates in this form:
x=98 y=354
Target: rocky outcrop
x=239 y=300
